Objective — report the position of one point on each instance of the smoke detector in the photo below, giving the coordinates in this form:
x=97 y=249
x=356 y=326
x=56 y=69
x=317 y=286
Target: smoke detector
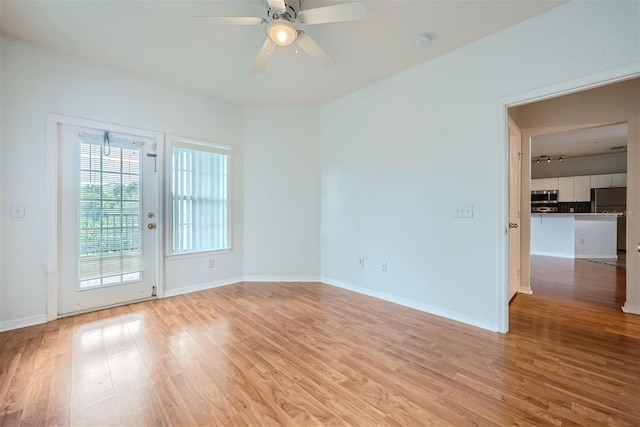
x=422 y=40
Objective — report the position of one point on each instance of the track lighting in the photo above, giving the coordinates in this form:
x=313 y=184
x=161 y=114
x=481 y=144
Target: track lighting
x=548 y=158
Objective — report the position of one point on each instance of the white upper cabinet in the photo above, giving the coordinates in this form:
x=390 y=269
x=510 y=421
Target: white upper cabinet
x=601 y=181
x=536 y=184
x=565 y=189
x=549 y=183
x=609 y=180
x=574 y=189
x=619 y=180
x=581 y=188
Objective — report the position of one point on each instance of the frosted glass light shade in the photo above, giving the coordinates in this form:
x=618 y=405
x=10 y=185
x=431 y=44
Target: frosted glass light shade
x=282 y=33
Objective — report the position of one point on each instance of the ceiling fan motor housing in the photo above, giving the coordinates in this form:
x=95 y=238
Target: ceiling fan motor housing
x=291 y=13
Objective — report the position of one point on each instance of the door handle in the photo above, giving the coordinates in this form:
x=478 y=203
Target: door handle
x=513 y=225
x=151 y=226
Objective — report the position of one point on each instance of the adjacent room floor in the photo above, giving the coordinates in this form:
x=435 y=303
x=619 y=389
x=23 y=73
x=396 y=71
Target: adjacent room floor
x=311 y=354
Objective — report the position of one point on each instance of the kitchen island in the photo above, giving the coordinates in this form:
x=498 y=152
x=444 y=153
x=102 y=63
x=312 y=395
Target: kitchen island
x=574 y=235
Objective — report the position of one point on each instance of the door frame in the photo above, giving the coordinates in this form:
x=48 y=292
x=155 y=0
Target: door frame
x=590 y=81
x=52 y=186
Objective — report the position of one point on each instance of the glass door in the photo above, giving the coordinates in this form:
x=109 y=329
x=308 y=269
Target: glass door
x=107 y=210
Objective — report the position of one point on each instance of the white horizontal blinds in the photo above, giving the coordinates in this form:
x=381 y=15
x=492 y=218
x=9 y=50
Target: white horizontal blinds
x=110 y=227
x=199 y=200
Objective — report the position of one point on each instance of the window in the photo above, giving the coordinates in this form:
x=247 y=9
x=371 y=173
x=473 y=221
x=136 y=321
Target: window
x=199 y=197
x=109 y=227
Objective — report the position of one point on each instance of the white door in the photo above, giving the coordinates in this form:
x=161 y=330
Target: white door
x=514 y=210
x=107 y=205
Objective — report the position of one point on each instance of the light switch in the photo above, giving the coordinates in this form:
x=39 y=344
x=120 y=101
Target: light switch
x=17 y=210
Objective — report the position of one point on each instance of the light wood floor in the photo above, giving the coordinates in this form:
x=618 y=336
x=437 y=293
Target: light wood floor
x=310 y=354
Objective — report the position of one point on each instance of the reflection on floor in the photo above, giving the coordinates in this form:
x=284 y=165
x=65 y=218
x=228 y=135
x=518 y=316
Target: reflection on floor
x=621 y=261
x=578 y=280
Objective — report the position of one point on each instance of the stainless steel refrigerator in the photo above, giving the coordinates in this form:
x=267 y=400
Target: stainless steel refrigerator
x=612 y=200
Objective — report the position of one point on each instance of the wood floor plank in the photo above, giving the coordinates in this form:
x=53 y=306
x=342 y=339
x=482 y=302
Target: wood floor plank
x=308 y=354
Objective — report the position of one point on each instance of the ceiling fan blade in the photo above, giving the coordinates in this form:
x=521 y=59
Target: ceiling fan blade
x=228 y=20
x=277 y=5
x=307 y=44
x=337 y=13
x=263 y=56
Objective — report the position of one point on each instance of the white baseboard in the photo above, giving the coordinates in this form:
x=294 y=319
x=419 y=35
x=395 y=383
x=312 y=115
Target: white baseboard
x=201 y=287
x=600 y=256
x=631 y=309
x=23 y=323
x=525 y=290
x=555 y=254
x=282 y=279
x=438 y=311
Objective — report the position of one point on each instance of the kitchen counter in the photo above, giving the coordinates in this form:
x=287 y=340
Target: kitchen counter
x=574 y=235
x=612 y=215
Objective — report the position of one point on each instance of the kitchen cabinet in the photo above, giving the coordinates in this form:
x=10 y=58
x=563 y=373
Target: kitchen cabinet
x=549 y=184
x=609 y=180
x=581 y=188
x=601 y=181
x=565 y=189
x=574 y=189
x=536 y=184
x=619 y=180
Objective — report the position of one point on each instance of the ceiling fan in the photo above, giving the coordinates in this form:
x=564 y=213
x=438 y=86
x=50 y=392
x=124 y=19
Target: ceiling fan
x=282 y=18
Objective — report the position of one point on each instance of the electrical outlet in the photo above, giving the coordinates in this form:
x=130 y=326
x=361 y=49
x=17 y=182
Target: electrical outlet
x=17 y=210
x=582 y=241
x=384 y=266
x=361 y=262
x=212 y=262
x=463 y=211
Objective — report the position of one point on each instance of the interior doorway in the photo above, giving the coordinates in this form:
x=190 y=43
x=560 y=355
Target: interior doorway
x=614 y=103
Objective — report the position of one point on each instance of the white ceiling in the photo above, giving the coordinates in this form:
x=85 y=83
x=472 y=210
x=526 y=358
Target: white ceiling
x=158 y=40
x=581 y=142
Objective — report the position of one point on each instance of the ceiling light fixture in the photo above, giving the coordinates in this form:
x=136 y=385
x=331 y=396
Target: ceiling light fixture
x=282 y=33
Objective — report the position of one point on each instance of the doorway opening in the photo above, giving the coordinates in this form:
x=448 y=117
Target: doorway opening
x=606 y=118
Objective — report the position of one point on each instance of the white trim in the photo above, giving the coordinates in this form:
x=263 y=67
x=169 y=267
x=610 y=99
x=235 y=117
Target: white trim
x=597 y=256
x=303 y=279
x=23 y=323
x=525 y=290
x=53 y=121
x=201 y=287
x=631 y=309
x=503 y=270
x=590 y=81
x=553 y=254
x=605 y=77
x=203 y=145
x=438 y=311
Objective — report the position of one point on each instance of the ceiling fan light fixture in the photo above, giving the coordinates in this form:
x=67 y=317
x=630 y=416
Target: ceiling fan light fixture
x=282 y=33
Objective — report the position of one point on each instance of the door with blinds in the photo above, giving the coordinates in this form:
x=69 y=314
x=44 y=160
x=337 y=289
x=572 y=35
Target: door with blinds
x=107 y=205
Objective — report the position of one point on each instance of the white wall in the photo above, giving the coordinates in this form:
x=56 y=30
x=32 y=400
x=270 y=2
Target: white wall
x=37 y=81
x=399 y=155
x=282 y=193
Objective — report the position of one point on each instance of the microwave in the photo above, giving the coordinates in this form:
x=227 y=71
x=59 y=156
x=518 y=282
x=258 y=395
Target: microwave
x=539 y=197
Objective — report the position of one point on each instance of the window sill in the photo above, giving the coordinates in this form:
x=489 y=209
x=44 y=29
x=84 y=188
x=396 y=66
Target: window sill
x=201 y=254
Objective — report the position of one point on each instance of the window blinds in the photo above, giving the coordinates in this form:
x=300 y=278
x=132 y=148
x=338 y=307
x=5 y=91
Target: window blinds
x=110 y=231
x=199 y=199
